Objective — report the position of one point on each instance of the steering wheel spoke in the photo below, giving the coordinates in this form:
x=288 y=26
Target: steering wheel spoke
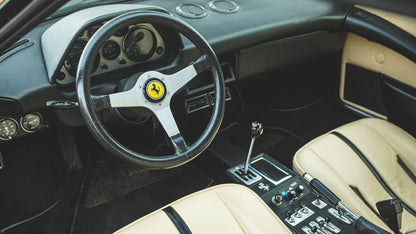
x=130 y=98
x=101 y=102
x=168 y=122
x=182 y=77
x=153 y=91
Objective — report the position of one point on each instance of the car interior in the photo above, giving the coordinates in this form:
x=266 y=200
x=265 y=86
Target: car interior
x=207 y=116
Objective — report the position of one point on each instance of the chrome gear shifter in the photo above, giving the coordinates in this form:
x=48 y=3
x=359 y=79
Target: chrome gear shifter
x=256 y=131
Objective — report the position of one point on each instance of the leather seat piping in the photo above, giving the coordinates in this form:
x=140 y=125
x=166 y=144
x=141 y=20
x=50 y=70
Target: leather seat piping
x=373 y=170
x=177 y=220
x=406 y=169
x=360 y=195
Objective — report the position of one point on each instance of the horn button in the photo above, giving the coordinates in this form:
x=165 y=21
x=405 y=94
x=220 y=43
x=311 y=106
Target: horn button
x=155 y=90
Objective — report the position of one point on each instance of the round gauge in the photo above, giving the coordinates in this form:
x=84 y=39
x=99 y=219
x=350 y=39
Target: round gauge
x=31 y=122
x=139 y=44
x=8 y=129
x=111 y=50
x=94 y=29
x=73 y=56
x=122 y=32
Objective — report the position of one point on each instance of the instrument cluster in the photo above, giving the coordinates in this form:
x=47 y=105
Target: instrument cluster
x=11 y=128
x=129 y=46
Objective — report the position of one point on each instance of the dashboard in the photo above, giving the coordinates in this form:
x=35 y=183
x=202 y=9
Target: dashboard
x=42 y=66
x=129 y=46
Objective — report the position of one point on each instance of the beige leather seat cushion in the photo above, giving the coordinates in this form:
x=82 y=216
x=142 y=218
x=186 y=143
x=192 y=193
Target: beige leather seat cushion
x=333 y=162
x=228 y=208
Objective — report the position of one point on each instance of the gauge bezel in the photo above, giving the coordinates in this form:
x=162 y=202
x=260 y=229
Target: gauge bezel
x=94 y=68
x=23 y=126
x=152 y=51
x=17 y=129
x=102 y=48
x=89 y=34
x=124 y=31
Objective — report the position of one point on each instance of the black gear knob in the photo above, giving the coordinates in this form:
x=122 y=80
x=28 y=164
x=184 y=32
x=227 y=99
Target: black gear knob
x=256 y=129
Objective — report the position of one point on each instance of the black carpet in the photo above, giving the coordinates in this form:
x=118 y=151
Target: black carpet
x=34 y=177
x=113 y=215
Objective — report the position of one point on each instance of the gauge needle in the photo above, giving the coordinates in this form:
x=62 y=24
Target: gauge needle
x=138 y=38
x=132 y=45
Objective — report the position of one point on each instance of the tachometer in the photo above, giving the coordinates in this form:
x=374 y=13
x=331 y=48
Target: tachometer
x=139 y=44
x=74 y=54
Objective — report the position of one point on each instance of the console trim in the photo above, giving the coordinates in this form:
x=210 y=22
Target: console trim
x=262 y=157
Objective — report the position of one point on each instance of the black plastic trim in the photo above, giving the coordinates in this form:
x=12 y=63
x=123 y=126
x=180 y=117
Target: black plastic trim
x=377 y=29
x=24 y=21
x=16 y=47
x=373 y=170
x=406 y=169
x=177 y=220
x=325 y=191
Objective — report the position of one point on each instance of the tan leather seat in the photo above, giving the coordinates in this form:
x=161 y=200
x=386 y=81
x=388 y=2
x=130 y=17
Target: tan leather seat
x=390 y=151
x=228 y=208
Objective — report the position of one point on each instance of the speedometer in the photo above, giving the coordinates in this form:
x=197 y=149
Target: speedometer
x=73 y=56
x=139 y=44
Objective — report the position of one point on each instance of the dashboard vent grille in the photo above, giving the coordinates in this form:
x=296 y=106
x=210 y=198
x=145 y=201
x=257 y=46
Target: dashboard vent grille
x=16 y=47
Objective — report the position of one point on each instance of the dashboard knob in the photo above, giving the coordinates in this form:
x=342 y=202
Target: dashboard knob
x=299 y=189
x=277 y=200
x=291 y=194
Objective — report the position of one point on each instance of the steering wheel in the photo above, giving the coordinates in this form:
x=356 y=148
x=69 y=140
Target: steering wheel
x=153 y=90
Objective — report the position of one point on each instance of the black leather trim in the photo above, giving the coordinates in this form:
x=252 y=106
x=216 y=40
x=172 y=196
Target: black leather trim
x=377 y=29
x=406 y=169
x=373 y=170
x=360 y=195
x=363 y=226
x=177 y=220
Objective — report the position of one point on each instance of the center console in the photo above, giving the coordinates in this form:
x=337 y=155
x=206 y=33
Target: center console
x=291 y=198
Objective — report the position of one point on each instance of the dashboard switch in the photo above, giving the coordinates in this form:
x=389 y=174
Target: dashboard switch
x=289 y=194
x=277 y=200
x=104 y=66
x=299 y=189
x=122 y=61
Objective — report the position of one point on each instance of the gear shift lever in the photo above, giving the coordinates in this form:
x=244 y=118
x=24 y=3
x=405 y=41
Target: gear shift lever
x=256 y=131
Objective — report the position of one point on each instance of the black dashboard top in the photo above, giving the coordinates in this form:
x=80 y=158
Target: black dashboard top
x=24 y=76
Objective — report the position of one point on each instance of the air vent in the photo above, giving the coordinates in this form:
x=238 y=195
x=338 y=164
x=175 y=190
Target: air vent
x=224 y=6
x=191 y=10
x=16 y=47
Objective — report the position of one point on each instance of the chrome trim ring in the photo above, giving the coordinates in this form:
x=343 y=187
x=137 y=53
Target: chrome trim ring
x=17 y=129
x=213 y=7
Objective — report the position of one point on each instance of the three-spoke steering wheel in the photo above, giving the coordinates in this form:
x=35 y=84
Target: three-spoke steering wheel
x=153 y=90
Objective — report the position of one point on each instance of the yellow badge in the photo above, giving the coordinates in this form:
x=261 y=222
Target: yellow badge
x=155 y=90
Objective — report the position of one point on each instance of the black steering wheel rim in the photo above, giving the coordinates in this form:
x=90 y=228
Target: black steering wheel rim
x=88 y=106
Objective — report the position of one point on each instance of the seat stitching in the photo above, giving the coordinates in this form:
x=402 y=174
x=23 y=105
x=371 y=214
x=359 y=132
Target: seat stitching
x=374 y=171
x=335 y=172
x=384 y=139
x=229 y=210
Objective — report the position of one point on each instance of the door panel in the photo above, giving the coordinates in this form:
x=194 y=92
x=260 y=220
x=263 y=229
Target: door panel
x=377 y=80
